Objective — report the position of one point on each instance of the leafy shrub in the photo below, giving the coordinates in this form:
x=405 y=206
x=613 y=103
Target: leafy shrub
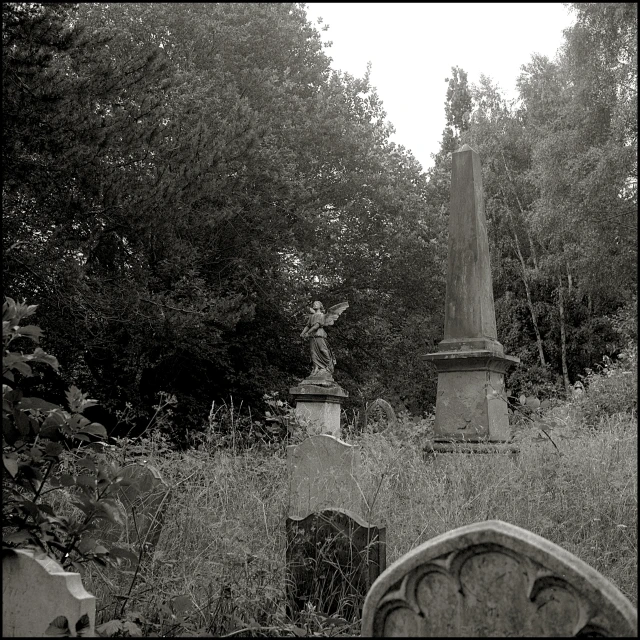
x=612 y=389
x=47 y=449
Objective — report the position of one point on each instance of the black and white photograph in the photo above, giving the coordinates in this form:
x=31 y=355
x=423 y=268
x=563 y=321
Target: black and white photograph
x=319 y=319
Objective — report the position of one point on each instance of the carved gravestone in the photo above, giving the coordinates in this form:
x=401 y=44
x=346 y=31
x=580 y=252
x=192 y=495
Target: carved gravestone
x=333 y=555
x=144 y=496
x=494 y=579
x=39 y=598
x=323 y=472
x=333 y=558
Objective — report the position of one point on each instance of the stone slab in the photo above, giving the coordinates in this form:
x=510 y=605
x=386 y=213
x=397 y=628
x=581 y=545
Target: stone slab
x=333 y=558
x=323 y=473
x=471 y=406
x=493 y=579
x=37 y=594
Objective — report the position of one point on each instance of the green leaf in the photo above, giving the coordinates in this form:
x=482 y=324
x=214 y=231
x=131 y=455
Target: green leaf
x=30 y=331
x=19 y=537
x=110 y=628
x=77 y=400
x=125 y=554
x=87 y=545
x=38 y=403
x=53 y=449
x=23 y=368
x=11 y=465
x=22 y=421
x=40 y=356
x=85 y=480
x=87 y=463
x=67 y=480
x=112 y=511
x=29 y=471
x=95 y=429
x=132 y=629
x=59 y=627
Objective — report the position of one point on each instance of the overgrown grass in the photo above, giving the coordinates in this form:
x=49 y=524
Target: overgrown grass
x=218 y=568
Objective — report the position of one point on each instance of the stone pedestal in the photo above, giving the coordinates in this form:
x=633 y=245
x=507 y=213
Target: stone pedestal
x=471 y=403
x=318 y=405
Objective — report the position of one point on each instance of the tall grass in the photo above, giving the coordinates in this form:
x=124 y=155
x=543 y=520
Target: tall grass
x=218 y=567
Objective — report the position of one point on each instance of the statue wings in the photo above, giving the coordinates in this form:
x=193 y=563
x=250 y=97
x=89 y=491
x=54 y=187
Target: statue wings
x=334 y=312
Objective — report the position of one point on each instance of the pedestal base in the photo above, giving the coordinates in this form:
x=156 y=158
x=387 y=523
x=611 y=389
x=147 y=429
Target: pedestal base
x=318 y=405
x=471 y=403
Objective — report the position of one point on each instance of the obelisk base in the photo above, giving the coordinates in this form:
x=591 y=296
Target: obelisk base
x=318 y=403
x=471 y=403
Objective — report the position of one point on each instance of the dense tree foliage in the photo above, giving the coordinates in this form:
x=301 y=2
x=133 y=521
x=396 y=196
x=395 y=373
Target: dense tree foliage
x=183 y=180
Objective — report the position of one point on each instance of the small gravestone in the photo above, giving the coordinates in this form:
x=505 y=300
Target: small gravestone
x=333 y=558
x=378 y=407
x=39 y=598
x=493 y=579
x=323 y=473
x=144 y=496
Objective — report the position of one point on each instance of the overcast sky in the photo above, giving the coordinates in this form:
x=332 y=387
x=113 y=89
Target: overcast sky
x=412 y=47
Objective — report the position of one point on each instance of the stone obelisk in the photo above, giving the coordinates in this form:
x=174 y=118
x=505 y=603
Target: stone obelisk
x=471 y=405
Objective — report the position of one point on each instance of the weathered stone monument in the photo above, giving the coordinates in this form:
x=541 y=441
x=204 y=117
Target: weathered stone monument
x=39 y=598
x=493 y=579
x=333 y=554
x=318 y=397
x=471 y=404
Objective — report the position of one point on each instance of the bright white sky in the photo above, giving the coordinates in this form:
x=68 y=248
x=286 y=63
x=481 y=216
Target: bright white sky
x=412 y=47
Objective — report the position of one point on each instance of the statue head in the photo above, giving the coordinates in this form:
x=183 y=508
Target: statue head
x=317 y=306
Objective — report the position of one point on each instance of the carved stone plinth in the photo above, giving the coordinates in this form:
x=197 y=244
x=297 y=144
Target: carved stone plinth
x=318 y=403
x=471 y=403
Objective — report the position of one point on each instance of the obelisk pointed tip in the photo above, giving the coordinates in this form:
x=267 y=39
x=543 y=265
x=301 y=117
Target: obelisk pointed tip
x=465 y=147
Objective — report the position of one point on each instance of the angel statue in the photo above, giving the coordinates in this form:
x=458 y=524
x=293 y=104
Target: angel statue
x=321 y=353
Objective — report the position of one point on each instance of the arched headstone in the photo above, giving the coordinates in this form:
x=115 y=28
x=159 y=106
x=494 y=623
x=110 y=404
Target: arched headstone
x=381 y=405
x=494 y=579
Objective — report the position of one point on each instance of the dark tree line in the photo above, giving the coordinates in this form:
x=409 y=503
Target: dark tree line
x=182 y=181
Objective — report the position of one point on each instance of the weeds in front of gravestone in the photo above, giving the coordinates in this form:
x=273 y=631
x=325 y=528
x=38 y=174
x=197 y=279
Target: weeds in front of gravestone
x=38 y=439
